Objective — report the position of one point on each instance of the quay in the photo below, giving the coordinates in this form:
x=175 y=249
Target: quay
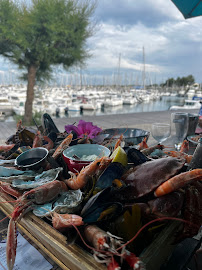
x=141 y=120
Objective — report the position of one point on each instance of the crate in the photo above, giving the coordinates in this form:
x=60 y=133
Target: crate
x=53 y=243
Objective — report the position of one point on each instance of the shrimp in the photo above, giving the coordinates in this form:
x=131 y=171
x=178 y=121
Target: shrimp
x=96 y=236
x=143 y=144
x=184 y=147
x=7 y=188
x=79 y=181
x=6 y=147
x=61 y=221
x=50 y=143
x=149 y=150
x=38 y=140
x=39 y=195
x=118 y=143
x=176 y=154
x=178 y=181
x=103 y=165
x=64 y=144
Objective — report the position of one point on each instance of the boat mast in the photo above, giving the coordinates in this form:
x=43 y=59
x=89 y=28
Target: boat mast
x=119 y=65
x=143 y=72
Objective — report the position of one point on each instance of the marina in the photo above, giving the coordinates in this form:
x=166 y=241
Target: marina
x=75 y=101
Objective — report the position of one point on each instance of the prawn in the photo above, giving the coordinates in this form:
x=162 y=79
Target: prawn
x=79 y=181
x=178 y=181
x=143 y=144
x=118 y=143
x=177 y=154
x=61 y=221
x=7 y=188
x=96 y=236
x=38 y=140
x=50 y=143
x=147 y=151
x=39 y=195
x=64 y=144
x=6 y=147
x=184 y=147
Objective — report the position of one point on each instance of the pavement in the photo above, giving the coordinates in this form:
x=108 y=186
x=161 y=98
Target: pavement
x=141 y=120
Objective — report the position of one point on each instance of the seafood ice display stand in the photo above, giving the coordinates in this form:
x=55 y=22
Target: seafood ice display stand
x=72 y=254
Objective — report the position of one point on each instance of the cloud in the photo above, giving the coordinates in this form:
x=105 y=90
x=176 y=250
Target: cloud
x=172 y=45
x=130 y=12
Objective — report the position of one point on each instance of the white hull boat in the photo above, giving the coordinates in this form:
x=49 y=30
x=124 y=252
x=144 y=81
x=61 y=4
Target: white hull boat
x=189 y=104
x=130 y=101
x=113 y=102
x=75 y=107
x=5 y=106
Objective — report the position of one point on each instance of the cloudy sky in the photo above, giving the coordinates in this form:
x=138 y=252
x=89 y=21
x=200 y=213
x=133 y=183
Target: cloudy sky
x=172 y=45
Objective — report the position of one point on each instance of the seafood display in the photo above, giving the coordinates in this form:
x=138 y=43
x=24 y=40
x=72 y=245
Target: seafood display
x=109 y=202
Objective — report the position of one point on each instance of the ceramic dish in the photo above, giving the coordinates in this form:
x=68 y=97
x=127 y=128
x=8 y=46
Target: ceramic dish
x=79 y=150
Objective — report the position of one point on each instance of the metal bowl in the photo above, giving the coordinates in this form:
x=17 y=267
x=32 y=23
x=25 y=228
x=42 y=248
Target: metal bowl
x=131 y=136
x=32 y=159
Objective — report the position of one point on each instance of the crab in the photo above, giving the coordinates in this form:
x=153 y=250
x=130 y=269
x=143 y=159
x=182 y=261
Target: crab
x=162 y=188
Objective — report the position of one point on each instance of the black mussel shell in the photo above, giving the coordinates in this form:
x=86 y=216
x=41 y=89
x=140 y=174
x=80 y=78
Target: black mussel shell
x=103 y=212
x=135 y=156
x=99 y=198
x=74 y=138
x=48 y=124
x=113 y=171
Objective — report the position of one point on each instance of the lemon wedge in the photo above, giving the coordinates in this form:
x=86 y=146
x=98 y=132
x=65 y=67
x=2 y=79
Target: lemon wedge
x=119 y=155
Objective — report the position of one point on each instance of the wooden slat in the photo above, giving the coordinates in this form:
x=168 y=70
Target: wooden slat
x=52 y=242
x=161 y=248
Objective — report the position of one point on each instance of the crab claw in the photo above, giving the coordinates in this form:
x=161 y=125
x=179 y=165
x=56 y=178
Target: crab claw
x=11 y=244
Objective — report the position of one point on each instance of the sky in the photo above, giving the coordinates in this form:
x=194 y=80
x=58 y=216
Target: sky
x=132 y=36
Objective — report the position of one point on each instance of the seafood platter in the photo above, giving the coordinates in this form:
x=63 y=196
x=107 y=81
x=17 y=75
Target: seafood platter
x=110 y=213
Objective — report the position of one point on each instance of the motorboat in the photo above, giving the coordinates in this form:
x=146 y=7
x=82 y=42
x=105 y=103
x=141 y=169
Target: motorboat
x=113 y=102
x=188 y=104
x=129 y=100
x=19 y=109
x=2 y=116
x=5 y=106
x=75 y=106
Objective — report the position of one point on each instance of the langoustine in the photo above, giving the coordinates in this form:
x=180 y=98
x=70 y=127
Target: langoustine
x=39 y=195
x=107 y=246
x=94 y=168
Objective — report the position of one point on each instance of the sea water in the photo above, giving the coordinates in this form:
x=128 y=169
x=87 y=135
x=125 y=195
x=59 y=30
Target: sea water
x=162 y=104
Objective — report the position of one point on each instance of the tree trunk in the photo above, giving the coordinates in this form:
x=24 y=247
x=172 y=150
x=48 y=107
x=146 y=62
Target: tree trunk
x=30 y=95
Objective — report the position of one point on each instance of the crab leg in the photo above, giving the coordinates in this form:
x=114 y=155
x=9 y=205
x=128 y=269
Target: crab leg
x=178 y=181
